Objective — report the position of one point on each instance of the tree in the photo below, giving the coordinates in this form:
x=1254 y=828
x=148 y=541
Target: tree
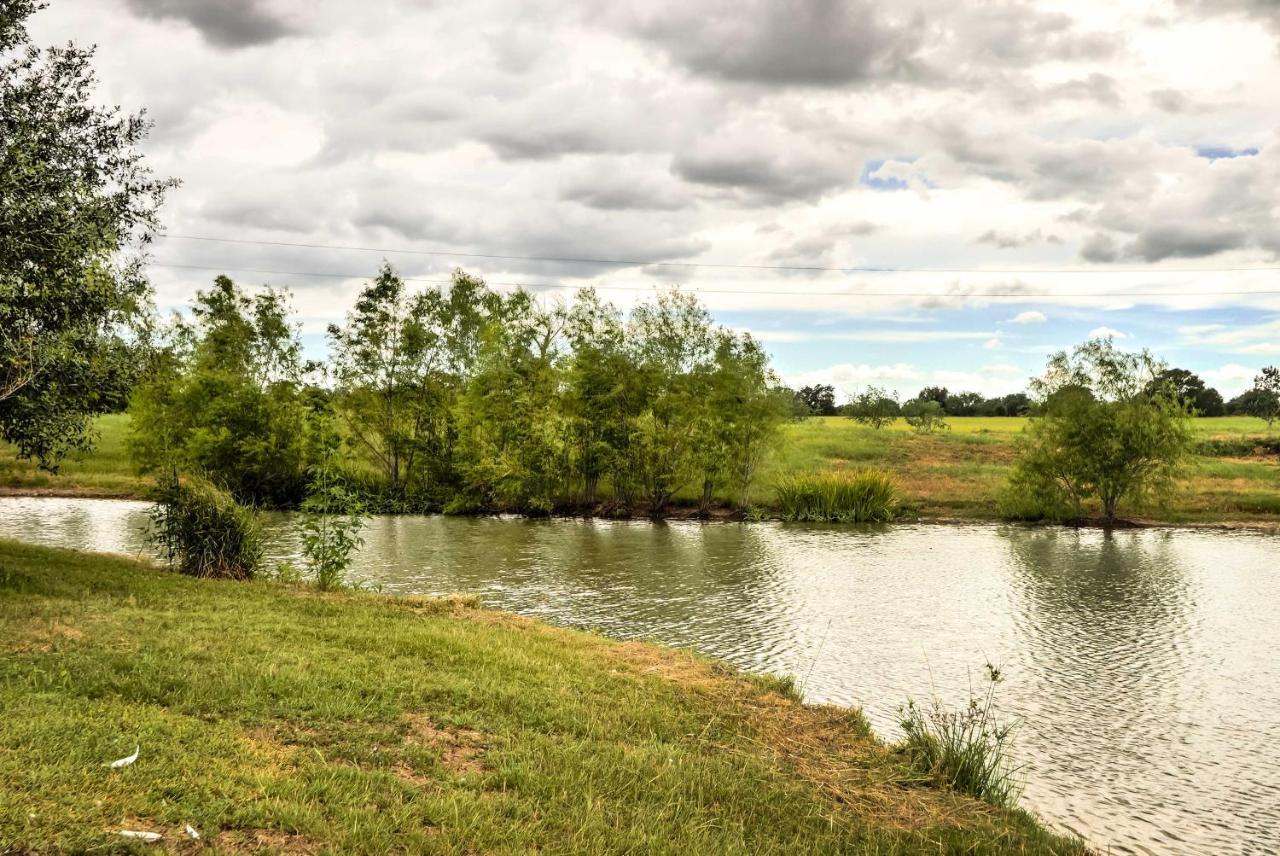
x=963 y=404
x=513 y=437
x=924 y=415
x=673 y=344
x=820 y=399
x=75 y=200
x=1265 y=402
x=400 y=363
x=742 y=413
x=225 y=398
x=1102 y=432
x=874 y=407
x=1014 y=404
x=934 y=393
x=1189 y=388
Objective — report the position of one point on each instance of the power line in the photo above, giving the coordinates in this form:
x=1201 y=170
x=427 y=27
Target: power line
x=718 y=265
x=746 y=291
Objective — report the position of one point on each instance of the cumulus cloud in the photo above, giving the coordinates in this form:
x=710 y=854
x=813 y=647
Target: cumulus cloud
x=932 y=136
x=1106 y=333
x=1031 y=316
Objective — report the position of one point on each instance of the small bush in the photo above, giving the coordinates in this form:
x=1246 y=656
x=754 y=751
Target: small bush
x=203 y=531
x=967 y=750
x=925 y=416
x=857 y=496
x=1238 y=447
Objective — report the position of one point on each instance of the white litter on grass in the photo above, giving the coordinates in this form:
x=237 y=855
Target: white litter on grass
x=191 y=830
x=149 y=837
x=124 y=762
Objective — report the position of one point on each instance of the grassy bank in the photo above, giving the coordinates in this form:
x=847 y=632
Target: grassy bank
x=273 y=719
x=955 y=473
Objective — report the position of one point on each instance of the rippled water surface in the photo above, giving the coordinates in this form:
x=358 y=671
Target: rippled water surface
x=1145 y=665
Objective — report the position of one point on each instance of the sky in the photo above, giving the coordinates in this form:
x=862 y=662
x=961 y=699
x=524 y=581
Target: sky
x=978 y=184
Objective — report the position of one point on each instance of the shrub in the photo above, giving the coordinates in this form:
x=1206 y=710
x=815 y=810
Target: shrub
x=203 y=531
x=925 y=415
x=874 y=407
x=858 y=496
x=332 y=515
x=968 y=749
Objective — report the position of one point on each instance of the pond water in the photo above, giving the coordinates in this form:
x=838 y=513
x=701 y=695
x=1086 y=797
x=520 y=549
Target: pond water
x=1144 y=665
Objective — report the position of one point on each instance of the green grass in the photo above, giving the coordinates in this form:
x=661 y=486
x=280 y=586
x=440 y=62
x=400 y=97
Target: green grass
x=951 y=474
x=277 y=719
x=106 y=471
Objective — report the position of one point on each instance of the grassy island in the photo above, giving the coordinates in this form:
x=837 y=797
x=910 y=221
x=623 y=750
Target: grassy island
x=273 y=719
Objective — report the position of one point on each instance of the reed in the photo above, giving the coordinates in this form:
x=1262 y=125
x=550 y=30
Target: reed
x=203 y=531
x=854 y=496
x=967 y=750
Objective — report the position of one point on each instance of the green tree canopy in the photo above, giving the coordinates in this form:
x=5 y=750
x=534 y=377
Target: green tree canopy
x=224 y=398
x=77 y=205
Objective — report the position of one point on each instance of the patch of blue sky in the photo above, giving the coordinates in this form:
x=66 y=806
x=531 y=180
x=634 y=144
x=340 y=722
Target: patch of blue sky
x=1221 y=152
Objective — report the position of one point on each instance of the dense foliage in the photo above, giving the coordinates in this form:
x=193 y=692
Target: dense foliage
x=924 y=415
x=463 y=399
x=75 y=197
x=225 y=398
x=1106 y=430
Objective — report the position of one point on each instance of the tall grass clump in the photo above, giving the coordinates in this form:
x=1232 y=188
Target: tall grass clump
x=856 y=496
x=203 y=531
x=968 y=750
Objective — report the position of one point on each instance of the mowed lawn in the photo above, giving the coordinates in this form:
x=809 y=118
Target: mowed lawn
x=957 y=472
x=273 y=719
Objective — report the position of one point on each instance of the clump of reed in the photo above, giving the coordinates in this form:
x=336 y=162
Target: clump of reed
x=203 y=531
x=840 y=496
x=967 y=750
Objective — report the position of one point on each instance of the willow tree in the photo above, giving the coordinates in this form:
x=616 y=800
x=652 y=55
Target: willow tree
x=1106 y=431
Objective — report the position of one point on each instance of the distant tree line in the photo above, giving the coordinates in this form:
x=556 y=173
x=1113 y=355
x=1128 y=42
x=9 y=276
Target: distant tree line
x=877 y=407
x=463 y=399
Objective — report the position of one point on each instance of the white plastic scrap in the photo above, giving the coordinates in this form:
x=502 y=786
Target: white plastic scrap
x=195 y=836
x=124 y=762
x=149 y=837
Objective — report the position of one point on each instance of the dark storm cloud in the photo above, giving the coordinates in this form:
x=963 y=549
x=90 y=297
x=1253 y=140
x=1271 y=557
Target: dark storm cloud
x=786 y=42
x=762 y=177
x=225 y=23
x=1185 y=241
x=1099 y=248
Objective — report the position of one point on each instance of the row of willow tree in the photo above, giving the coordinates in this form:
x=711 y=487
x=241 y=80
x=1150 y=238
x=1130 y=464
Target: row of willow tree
x=464 y=399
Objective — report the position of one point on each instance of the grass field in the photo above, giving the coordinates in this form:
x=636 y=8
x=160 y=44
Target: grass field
x=959 y=472
x=954 y=473
x=278 y=720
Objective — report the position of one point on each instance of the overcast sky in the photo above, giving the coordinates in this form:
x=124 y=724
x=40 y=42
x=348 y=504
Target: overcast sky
x=981 y=141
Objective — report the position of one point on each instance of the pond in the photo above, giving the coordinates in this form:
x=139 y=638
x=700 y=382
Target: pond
x=1143 y=665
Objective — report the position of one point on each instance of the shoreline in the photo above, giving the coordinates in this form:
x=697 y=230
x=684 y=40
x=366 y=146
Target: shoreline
x=723 y=515
x=361 y=722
